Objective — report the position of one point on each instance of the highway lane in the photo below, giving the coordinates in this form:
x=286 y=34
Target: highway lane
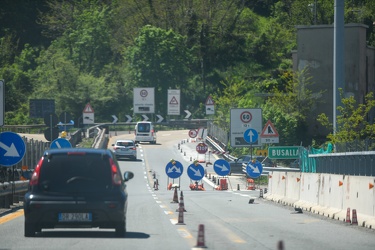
x=230 y=222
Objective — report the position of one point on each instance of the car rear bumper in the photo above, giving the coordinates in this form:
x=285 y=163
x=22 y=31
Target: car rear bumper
x=45 y=214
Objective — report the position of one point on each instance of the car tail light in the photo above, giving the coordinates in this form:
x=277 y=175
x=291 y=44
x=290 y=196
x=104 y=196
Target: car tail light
x=116 y=178
x=114 y=148
x=34 y=180
x=152 y=132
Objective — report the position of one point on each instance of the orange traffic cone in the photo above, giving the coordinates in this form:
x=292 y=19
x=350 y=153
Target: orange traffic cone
x=175 y=196
x=200 y=240
x=181 y=204
x=348 y=215
x=355 y=221
x=180 y=216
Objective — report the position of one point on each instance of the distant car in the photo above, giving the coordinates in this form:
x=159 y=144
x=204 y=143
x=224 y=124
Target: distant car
x=125 y=149
x=76 y=188
x=237 y=164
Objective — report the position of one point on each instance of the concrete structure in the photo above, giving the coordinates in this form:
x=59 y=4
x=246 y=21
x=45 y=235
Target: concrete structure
x=315 y=51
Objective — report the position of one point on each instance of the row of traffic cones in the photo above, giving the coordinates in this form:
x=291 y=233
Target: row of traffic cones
x=181 y=209
x=355 y=220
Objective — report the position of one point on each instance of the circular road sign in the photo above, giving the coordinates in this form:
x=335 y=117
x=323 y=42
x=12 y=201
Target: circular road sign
x=174 y=169
x=246 y=117
x=201 y=148
x=193 y=133
x=12 y=148
x=60 y=143
x=250 y=135
x=195 y=171
x=254 y=170
x=143 y=93
x=221 y=167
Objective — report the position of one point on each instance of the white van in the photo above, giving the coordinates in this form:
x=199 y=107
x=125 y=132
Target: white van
x=145 y=132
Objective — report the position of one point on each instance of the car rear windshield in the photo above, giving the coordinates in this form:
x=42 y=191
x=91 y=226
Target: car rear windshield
x=143 y=127
x=125 y=143
x=75 y=173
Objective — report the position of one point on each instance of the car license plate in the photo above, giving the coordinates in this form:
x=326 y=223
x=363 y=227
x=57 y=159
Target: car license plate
x=124 y=149
x=72 y=217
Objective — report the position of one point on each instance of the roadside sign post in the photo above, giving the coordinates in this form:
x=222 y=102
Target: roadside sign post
x=240 y=121
x=284 y=152
x=174 y=170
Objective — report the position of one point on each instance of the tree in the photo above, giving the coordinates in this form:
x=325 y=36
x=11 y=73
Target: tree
x=352 y=120
x=160 y=59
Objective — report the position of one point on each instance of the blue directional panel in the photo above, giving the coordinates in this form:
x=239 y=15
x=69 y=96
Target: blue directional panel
x=174 y=169
x=221 y=167
x=12 y=148
x=254 y=170
x=195 y=171
x=60 y=143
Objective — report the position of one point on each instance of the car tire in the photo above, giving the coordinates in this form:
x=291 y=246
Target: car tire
x=121 y=229
x=29 y=229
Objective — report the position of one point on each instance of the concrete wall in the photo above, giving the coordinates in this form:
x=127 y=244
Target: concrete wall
x=315 y=50
x=325 y=194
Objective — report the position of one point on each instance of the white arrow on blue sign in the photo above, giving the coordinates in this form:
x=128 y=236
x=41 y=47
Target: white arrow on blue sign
x=174 y=169
x=60 y=143
x=254 y=170
x=221 y=167
x=195 y=172
x=12 y=148
x=250 y=135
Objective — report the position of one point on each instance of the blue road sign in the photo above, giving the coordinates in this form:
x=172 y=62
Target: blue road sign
x=60 y=143
x=250 y=135
x=221 y=167
x=174 y=169
x=12 y=148
x=195 y=172
x=254 y=170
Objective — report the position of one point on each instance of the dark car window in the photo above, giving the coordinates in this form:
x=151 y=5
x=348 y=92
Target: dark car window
x=143 y=127
x=77 y=172
x=125 y=144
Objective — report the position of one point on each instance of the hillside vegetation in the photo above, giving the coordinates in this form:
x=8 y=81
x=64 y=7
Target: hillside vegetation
x=97 y=51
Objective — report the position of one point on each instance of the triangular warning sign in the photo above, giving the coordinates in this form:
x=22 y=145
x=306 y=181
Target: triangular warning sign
x=88 y=109
x=173 y=100
x=209 y=101
x=269 y=130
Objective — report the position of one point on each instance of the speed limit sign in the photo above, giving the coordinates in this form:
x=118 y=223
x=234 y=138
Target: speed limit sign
x=246 y=117
x=241 y=120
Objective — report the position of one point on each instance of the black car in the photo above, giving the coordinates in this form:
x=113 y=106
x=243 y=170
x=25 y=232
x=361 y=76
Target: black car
x=236 y=166
x=76 y=188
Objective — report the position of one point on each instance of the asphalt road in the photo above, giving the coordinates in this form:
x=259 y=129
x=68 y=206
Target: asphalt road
x=228 y=219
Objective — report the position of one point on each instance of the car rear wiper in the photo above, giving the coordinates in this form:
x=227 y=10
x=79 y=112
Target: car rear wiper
x=76 y=178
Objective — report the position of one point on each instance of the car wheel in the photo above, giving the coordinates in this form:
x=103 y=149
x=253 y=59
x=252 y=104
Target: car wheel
x=29 y=229
x=121 y=229
x=134 y=158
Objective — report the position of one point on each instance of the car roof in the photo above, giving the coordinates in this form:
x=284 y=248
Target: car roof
x=77 y=150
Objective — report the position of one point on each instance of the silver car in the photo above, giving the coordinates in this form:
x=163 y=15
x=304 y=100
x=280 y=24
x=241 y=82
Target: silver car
x=125 y=149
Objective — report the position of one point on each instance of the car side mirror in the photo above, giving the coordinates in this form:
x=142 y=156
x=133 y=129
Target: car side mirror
x=128 y=175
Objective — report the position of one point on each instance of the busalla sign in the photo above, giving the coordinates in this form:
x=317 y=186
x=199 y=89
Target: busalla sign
x=284 y=152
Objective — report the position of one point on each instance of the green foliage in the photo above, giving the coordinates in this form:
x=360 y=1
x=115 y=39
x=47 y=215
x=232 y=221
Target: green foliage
x=97 y=51
x=351 y=121
x=159 y=59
